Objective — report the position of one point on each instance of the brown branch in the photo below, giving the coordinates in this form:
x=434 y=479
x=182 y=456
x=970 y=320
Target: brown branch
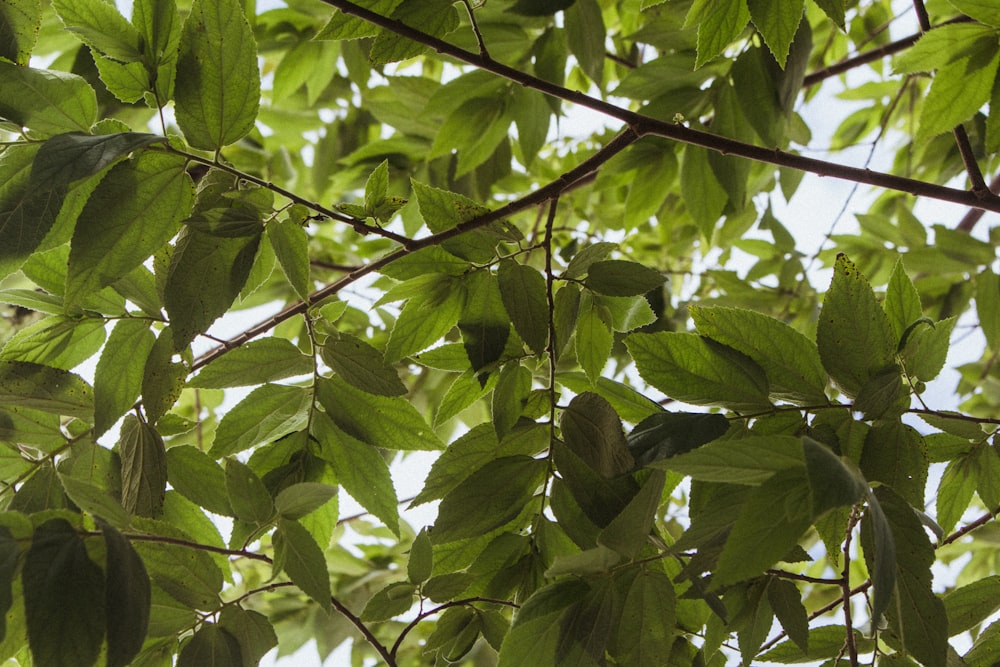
x=644 y=125
x=568 y=179
x=430 y=612
x=372 y=640
x=973 y=216
x=968 y=528
x=846 y=595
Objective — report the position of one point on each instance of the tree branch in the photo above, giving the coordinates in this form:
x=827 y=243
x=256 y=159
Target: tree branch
x=973 y=216
x=644 y=125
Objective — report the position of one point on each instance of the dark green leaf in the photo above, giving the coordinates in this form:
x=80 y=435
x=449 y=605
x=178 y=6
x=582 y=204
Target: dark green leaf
x=248 y=496
x=615 y=277
x=197 y=477
x=704 y=197
x=211 y=645
x=127 y=601
x=537 y=627
x=787 y=605
x=252 y=630
x=9 y=552
x=523 y=292
x=296 y=552
x=484 y=323
x=666 y=434
x=391 y=601
x=162 y=378
x=218 y=83
x=298 y=500
x=19 y=29
x=291 y=246
x=509 y=396
x=895 y=454
x=831 y=483
x=629 y=532
x=188 y=575
x=648 y=609
x=360 y=469
x=434 y=17
x=489 y=498
x=269 y=412
x=46 y=389
x=419 y=564
x=879 y=547
x=118 y=378
x=64 y=597
x=362 y=365
x=59 y=342
x=425 y=319
x=144 y=468
x=591 y=428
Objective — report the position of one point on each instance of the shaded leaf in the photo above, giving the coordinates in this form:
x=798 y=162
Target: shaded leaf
x=127 y=598
x=296 y=552
x=591 y=428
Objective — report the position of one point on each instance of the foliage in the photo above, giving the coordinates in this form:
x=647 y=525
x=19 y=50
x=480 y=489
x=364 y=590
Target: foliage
x=657 y=440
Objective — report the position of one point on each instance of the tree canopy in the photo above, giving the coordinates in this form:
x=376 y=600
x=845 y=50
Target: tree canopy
x=665 y=429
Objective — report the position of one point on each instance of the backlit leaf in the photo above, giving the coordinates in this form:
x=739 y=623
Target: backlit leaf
x=118 y=378
x=269 y=412
x=362 y=365
x=44 y=388
x=252 y=363
x=300 y=557
x=248 y=496
x=144 y=468
x=523 y=292
x=47 y=101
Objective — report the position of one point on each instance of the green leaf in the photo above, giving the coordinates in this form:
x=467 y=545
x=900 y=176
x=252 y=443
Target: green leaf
x=162 y=379
x=831 y=482
x=629 y=532
x=718 y=29
x=489 y=498
x=770 y=524
x=27 y=212
x=99 y=25
x=211 y=645
x=785 y=600
x=64 y=597
x=9 y=552
x=778 y=21
x=895 y=454
x=206 y=275
x=118 y=378
x=902 y=301
x=218 y=84
x=696 y=370
x=391 y=601
x=983 y=11
x=749 y=460
x=468 y=453
x=615 y=277
x=360 y=469
x=433 y=17
x=188 y=575
x=252 y=363
x=425 y=319
x=648 y=610
x=19 y=29
x=704 y=197
x=381 y=421
x=144 y=468
x=127 y=598
x=958 y=91
x=509 y=396
x=67 y=158
x=420 y=563
x=879 y=548
x=941 y=46
x=585 y=35
x=474 y=130
x=248 y=496
x=252 y=630
x=296 y=552
x=591 y=428
x=291 y=246
x=825 y=641
x=344 y=26
x=60 y=342
x=854 y=335
x=790 y=360
x=46 y=101
x=523 y=291
x=484 y=323
x=197 y=477
x=954 y=494
x=593 y=337
x=665 y=434
x=537 y=627
x=361 y=365
x=135 y=209
x=926 y=349
x=988 y=306
x=269 y=412
x=24 y=384
x=298 y=500
x=970 y=605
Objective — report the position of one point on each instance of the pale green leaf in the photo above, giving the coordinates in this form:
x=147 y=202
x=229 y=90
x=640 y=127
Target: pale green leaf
x=421 y=560
x=424 y=320
x=100 y=26
x=593 y=338
x=47 y=101
x=614 y=277
x=302 y=560
x=777 y=21
x=749 y=460
x=585 y=35
x=253 y=363
x=24 y=384
x=983 y=11
x=474 y=130
x=269 y=412
x=958 y=91
x=291 y=246
x=19 y=29
x=118 y=378
x=719 y=28
x=434 y=17
x=197 y=477
x=523 y=291
x=362 y=365
x=704 y=197
x=57 y=341
x=298 y=500
x=218 y=83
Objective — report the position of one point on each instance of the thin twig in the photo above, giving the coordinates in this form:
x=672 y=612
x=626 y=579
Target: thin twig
x=356 y=621
x=475 y=29
x=430 y=612
x=846 y=595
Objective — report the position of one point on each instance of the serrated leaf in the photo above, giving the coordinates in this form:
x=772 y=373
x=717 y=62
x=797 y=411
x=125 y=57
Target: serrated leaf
x=206 y=275
x=594 y=338
x=958 y=483
x=59 y=342
x=484 y=323
x=490 y=497
x=24 y=384
x=291 y=246
x=790 y=360
x=197 y=477
x=420 y=563
x=434 y=17
x=162 y=379
x=144 y=468
x=958 y=91
x=648 y=609
x=787 y=605
x=585 y=35
x=831 y=483
x=101 y=27
x=381 y=421
x=66 y=158
x=269 y=412
x=666 y=434
x=615 y=277
x=64 y=597
x=190 y=576
x=592 y=429
x=630 y=530
x=509 y=395
x=466 y=454
x=695 y=370
x=361 y=470
x=298 y=500
x=770 y=524
x=127 y=598
x=704 y=197
x=391 y=601
x=536 y=630
x=749 y=460
x=19 y=29
x=118 y=378
x=345 y=26
x=361 y=365
x=879 y=548
x=210 y=645
x=248 y=496
x=926 y=349
x=970 y=605
x=523 y=292
x=902 y=301
x=778 y=21
x=895 y=454
x=94 y=500
x=136 y=208
x=719 y=28
x=255 y=362
x=474 y=130
x=302 y=560
x=252 y=630
x=854 y=335
x=425 y=319
x=47 y=101
x=217 y=89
